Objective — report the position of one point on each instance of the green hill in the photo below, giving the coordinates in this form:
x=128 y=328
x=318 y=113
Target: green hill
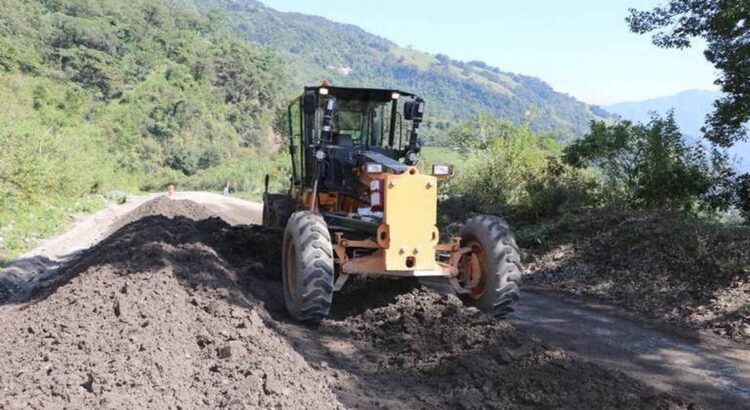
x=104 y=95
x=315 y=48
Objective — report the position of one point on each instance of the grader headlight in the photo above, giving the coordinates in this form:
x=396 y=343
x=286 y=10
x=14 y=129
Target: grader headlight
x=442 y=170
x=373 y=168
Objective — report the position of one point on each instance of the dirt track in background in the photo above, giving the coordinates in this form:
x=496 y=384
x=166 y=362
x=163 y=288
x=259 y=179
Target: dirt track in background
x=187 y=312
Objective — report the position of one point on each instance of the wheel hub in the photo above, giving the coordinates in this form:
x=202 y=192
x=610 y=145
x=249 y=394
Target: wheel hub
x=473 y=270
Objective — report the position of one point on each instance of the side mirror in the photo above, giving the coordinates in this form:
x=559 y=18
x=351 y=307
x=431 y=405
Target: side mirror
x=414 y=110
x=309 y=103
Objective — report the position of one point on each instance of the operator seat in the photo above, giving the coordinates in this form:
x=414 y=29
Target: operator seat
x=340 y=152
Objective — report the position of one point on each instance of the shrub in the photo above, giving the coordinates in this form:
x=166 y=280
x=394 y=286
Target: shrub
x=650 y=166
x=521 y=169
x=561 y=188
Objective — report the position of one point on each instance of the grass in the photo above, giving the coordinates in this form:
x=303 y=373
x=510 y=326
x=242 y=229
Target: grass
x=416 y=58
x=21 y=229
x=441 y=155
x=24 y=224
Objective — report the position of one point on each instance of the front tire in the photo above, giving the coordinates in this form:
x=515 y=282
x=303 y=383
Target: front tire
x=491 y=272
x=307 y=267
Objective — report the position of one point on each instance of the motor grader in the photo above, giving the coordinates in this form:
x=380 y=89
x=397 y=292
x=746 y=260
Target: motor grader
x=359 y=205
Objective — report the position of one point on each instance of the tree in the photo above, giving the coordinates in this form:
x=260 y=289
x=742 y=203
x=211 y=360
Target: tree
x=742 y=192
x=650 y=166
x=725 y=25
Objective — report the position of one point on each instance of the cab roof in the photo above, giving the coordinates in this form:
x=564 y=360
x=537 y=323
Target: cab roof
x=353 y=93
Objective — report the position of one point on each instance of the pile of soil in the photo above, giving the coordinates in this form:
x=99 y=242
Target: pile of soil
x=666 y=266
x=430 y=351
x=154 y=317
x=165 y=207
x=182 y=312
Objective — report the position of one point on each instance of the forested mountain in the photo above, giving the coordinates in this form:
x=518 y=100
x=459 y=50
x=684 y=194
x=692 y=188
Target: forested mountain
x=315 y=48
x=98 y=95
x=155 y=84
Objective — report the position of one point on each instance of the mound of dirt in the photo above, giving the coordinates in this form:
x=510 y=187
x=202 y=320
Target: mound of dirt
x=443 y=354
x=154 y=317
x=166 y=207
x=687 y=271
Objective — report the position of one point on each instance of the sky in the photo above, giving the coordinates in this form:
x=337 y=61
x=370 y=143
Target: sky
x=580 y=47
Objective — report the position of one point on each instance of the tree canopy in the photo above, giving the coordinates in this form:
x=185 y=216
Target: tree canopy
x=725 y=26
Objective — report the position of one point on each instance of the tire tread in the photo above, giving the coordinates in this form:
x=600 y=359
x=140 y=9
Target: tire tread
x=311 y=301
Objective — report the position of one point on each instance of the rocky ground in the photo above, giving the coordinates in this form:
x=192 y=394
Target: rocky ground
x=178 y=309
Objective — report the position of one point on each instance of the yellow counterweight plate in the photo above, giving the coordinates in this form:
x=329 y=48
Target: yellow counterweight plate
x=410 y=217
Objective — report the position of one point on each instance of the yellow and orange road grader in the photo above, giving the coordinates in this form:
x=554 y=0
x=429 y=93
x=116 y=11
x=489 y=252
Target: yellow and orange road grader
x=358 y=205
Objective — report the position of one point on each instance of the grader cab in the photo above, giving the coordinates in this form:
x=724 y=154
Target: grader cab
x=358 y=205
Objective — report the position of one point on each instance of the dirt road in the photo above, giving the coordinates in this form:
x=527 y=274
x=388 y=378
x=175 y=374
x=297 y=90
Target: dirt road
x=702 y=366
x=175 y=308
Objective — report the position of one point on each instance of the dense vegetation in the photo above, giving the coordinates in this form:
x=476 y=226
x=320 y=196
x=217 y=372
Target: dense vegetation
x=103 y=95
x=650 y=166
x=316 y=48
x=622 y=165
x=725 y=28
x=510 y=168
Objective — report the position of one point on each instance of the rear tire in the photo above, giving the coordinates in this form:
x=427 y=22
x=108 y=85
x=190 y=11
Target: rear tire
x=307 y=267
x=498 y=257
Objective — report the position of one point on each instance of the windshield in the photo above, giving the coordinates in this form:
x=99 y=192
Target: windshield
x=359 y=123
